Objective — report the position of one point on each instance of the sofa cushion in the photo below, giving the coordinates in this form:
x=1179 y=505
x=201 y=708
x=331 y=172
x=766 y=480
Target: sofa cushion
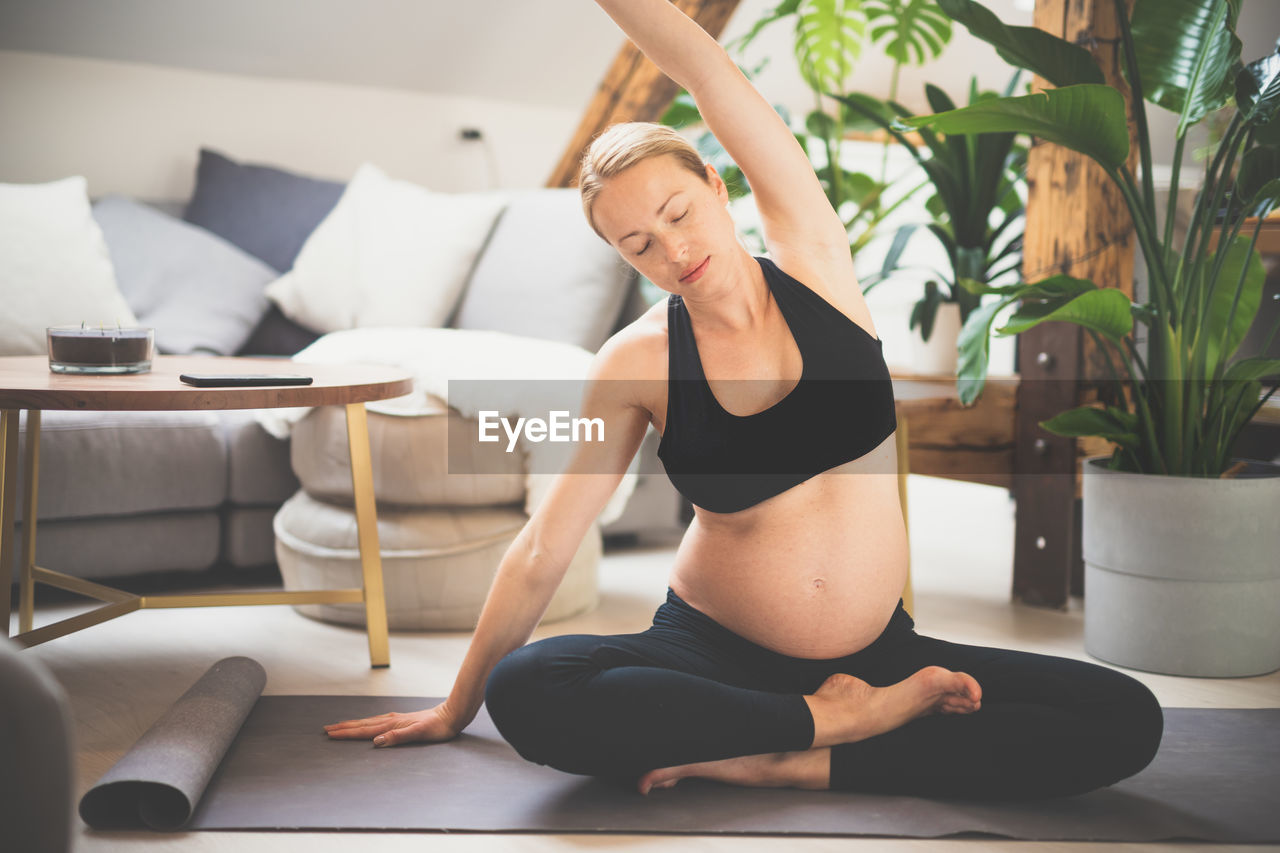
x=277 y=335
x=126 y=463
x=258 y=472
x=389 y=254
x=545 y=274
x=54 y=265
x=411 y=460
x=201 y=293
x=267 y=212
x=96 y=548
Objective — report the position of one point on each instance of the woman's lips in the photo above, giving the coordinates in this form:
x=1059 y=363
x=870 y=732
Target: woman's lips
x=696 y=272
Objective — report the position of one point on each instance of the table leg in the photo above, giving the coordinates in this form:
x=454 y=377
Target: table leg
x=8 y=497
x=375 y=605
x=902 y=446
x=30 y=483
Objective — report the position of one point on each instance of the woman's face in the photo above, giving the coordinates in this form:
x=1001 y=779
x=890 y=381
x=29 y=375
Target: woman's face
x=667 y=222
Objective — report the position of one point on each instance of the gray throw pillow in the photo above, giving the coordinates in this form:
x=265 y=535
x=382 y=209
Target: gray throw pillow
x=267 y=212
x=545 y=274
x=199 y=292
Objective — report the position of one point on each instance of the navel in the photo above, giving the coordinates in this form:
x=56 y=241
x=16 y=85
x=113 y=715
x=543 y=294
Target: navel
x=819 y=584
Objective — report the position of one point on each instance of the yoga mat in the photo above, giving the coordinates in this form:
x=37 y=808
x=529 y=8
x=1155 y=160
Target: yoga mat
x=158 y=783
x=1215 y=779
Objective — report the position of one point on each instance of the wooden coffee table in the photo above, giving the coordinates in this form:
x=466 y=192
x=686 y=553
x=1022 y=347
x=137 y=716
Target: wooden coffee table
x=27 y=383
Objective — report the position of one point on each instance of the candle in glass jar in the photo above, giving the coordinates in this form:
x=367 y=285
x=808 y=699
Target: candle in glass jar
x=101 y=349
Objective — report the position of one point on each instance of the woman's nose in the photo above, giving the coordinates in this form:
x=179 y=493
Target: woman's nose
x=675 y=246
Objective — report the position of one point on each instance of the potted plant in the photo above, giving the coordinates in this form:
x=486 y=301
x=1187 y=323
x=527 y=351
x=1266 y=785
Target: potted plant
x=1181 y=542
x=976 y=203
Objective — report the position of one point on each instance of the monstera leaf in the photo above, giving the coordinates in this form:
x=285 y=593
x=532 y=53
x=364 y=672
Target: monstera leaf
x=909 y=31
x=829 y=36
x=1187 y=54
x=1056 y=60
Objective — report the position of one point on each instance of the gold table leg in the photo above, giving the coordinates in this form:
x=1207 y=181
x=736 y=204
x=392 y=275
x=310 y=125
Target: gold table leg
x=8 y=496
x=31 y=480
x=375 y=604
x=904 y=468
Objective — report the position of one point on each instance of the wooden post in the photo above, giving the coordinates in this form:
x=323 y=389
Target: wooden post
x=633 y=89
x=1077 y=224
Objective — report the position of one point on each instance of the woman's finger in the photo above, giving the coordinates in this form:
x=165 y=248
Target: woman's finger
x=365 y=722
x=360 y=732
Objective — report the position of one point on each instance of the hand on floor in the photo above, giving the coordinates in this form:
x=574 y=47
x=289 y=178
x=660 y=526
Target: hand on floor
x=432 y=726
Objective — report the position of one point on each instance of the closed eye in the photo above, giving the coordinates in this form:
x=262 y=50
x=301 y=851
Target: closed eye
x=677 y=219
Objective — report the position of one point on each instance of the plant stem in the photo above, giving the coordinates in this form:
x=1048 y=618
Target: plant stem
x=1139 y=108
x=1143 y=227
x=1207 y=209
x=1153 y=445
x=1171 y=211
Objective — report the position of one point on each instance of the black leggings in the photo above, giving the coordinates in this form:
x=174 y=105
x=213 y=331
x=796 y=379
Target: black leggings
x=689 y=690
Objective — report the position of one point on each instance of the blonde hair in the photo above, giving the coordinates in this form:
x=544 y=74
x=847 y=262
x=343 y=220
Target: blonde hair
x=620 y=147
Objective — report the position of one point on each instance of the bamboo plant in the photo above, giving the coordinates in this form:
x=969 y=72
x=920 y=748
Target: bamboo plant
x=1179 y=409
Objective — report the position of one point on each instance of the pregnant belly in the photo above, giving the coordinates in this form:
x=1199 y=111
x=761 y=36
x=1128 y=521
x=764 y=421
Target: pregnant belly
x=805 y=584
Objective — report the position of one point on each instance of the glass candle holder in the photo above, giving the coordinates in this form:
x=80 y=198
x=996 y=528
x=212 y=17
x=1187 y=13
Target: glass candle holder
x=85 y=349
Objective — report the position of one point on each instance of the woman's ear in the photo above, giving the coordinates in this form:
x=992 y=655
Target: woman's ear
x=717 y=184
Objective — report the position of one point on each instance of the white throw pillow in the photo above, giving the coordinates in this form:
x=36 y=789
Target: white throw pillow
x=391 y=253
x=54 y=266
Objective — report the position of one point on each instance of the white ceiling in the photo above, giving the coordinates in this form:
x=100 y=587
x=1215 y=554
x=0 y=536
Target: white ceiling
x=545 y=52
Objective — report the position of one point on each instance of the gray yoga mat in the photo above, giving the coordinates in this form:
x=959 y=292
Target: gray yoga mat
x=1215 y=779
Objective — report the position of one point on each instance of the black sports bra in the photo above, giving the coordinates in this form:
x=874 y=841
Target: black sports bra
x=841 y=409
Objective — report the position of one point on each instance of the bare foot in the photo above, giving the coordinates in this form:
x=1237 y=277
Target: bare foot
x=847 y=709
x=807 y=769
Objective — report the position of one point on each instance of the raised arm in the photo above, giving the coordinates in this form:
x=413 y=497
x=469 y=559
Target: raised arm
x=532 y=567
x=793 y=207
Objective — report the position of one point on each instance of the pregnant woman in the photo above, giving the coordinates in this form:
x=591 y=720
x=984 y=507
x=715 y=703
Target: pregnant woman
x=783 y=655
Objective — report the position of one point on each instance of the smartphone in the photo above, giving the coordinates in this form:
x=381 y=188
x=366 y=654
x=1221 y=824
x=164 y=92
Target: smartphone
x=241 y=380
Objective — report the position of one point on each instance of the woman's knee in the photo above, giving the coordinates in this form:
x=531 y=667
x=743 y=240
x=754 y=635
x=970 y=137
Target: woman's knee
x=1137 y=723
x=529 y=696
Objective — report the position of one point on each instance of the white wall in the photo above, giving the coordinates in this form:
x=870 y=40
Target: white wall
x=136 y=129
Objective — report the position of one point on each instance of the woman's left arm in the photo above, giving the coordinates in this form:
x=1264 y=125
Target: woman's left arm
x=793 y=207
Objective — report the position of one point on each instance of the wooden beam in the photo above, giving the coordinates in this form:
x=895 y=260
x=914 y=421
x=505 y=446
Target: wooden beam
x=633 y=89
x=1077 y=224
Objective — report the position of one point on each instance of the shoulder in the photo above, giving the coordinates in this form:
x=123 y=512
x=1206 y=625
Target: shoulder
x=826 y=268
x=637 y=351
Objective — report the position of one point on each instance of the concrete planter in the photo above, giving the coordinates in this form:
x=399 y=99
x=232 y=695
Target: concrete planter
x=1182 y=574
x=938 y=354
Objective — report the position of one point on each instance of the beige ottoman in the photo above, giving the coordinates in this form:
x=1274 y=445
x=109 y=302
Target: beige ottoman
x=442 y=532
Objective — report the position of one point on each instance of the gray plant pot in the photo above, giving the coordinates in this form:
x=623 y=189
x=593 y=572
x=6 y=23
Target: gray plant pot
x=1182 y=574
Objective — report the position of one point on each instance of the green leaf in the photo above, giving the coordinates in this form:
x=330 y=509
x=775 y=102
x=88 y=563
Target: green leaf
x=974 y=345
x=1258 y=167
x=1105 y=310
x=1111 y=423
x=896 y=248
x=1267 y=197
x=911 y=32
x=1238 y=257
x=1252 y=368
x=1187 y=54
x=1258 y=89
x=829 y=36
x=682 y=112
x=784 y=9
x=1087 y=118
x=1056 y=60
x=857 y=119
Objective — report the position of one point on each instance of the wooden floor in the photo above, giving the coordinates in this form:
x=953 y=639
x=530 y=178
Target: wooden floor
x=122 y=675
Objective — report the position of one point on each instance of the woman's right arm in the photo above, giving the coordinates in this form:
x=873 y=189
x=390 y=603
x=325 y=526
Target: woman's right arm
x=532 y=568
